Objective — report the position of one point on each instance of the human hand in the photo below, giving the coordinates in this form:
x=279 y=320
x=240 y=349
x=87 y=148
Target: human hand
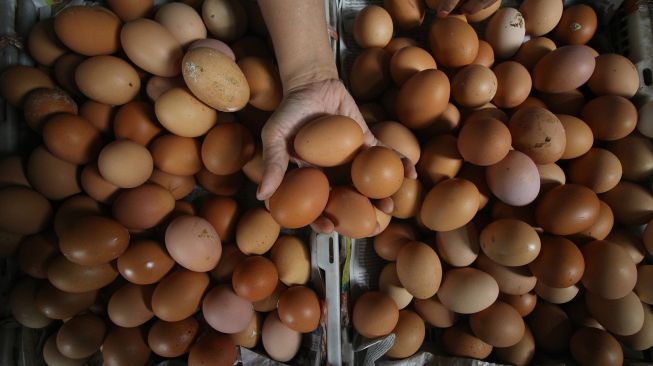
x=469 y=6
x=301 y=105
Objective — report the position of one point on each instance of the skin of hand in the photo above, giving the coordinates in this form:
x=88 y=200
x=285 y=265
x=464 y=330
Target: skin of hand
x=469 y=6
x=311 y=88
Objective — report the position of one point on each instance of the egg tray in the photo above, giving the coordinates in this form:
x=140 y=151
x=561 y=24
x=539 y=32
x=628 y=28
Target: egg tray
x=625 y=27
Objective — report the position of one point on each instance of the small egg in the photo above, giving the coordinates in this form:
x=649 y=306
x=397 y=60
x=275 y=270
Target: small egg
x=408 y=199
x=370 y=74
x=130 y=306
x=514 y=180
x=225 y=311
x=125 y=164
x=172 y=339
x=96 y=186
x=434 y=313
x=81 y=336
x=467 y=290
x=450 y=204
x=136 y=121
x=419 y=269
x=541 y=18
x=610 y=117
x=406 y=14
x=226 y=148
x=269 y=303
x=563 y=255
x=579 y=137
x=484 y=141
x=454 y=43
x=292 y=259
x=143 y=207
x=255 y=278
x=375 y=314
x=577 y=25
x=372 y=27
x=182 y=21
x=474 y=86
x=459 y=247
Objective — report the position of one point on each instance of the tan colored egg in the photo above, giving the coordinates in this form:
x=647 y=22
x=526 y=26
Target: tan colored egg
x=615 y=75
x=150 y=46
x=145 y=262
x=551 y=176
x=408 y=199
x=93 y=240
x=447 y=122
x=390 y=285
x=225 y=311
x=18 y=80
x=23 y=309
x=603 y=226
x=609 y=270
x=372 y=27
x=409 y=332
x=474 y=86
x=264 y=82
x=100 y=115
x=590 y=346
x=434 y=313
x=253 y=169
x=459 y=247
x=510 y=242
x=460 y=341
x=610 y=117
x=158 y=85
x=377 y=172
x=182 y=21
x=408 y=61
x=524 y=304
x=579 y=138
x=256 y=231
x=563 y=255
x=539 y=134
x=291 y=257
x=34 y=253
x=64 y=72
x=505 y=32
x=81 y=336
x=72 y=277
x=226 y=148
x=12 y=172
x=398 y=43
x=182 y=114
x=72 y=138
x=556 y=295
x=352 y=213
x=519 y=354
x=577 y=25
x=399 y=138
x=123 y=345
x=130 y=10
x=374 y=315
x=42 y=103
x=179 y=294
x=172 y=339
x=23 y=211
x=540 y=17
x=467 y=290
x=136 y=121
x=176 y=155
x=55 y=178
x=530 y=53
x=499 y=325
x=279 y=341
x=89 y=31
x=224 y=185
x=622 y=316
x=390 y=240
x=570 y=102
x=483 y=14
x=454 y=43
x=405 y=14
x=42 y=43
x=107 y=79
x=314 y=141
x=370 y=74
x=143 y=207
x=450 y=205
x=484 y=141
x=427 y=87
x=225 y=19
x=485 y=56
x=96 y=186
x=440 y=159
x=130 y=306
x=179 y=186
x=502 y=179
x=599 y=170
x=643 y=339
x=630 y=203
x=636 y=156
x=301 y=197
x=550 y=326
x=563 y=69
x=419 y=269
x=567 y=209
x=215 y=79
x=513 y=84
x=511 y=280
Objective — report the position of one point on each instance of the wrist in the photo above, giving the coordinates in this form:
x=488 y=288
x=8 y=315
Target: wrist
x=309 y=75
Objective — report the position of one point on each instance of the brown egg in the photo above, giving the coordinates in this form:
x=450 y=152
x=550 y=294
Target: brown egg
x=377 y=172
x=256 y=231
x=64 y=72
x=81 y=336
x=570 y=102
x=179 y=186
x=144 y=262
x=579 y=137
x=556 y=295
x=409 y=332
x=301 y=197
x=72 y=138
x=513 y=84
x=567 y=209
x=484 y=141
x=299 y=309
x=12 y=172
x=539 y=134
x=52 y=356
x=643 y=339
x=130 y=10
x=467 y=290
x=563 y=255
x=226 y=20
x=390 y=240
x=96 y=186
x=255 y=278
x=270 y=302
x=460 y=341
x=419 y=269
x=223 y=185
x=450 y=205
x=590 y=346
x=551 y=176
x=93 y=240
x=230 y=257
x=73 y=209
x=459 y=247
x=621 y=316
x=23 y=211
x=563 y=69
x=524 y=304
x=143 y=207
x=179 y=294
x=176 y=155
x=614 y=75
x=22 y=305
x=454 y=43
x=292 y=259
x=408 y=61
x=125 y=345
x=474 y=86
x=630 y=203
x=130 y=306
x=226 y=148
x=519 y=354
x=476 y=175
x=264 y=82
x=609 y=270
x=172 y=339
x=249 y=337
x=636 y=156
x=183 y=22
x=405 y=14
x=533 y=50
x=42 y=103
x=579 y=315
x=136 y=121
x=643 y=285
x=159 y=85
x=54 y=178
x=375 y=315
x=125 y=164
x=58 y=304
x=117 y=86
x=182 y=114
x=314 y=143
x=390 y=284
x=193 y=243
x=550 y=326
x=72 y=277
x=215 y=79
x=448 y=121
x=511 y=280
x=485 y=56
x=540 y=17
x=398 y=43
x=372 y=27
x=222 y=213
x=89 y=31
x=408 y=199
x=352 y=213
x=510 y=242
x=440 y=159
x=577 y=25
x=17 y=81
x=499 y=325
x=42 y=43
x=599 y=170
x=370 y=74
x=100 y=115
x=434 y=313
x=610 y=117
x=427 y=87
x=213 y=348
x=34 y=253
x=631 y=242
x=150 y=46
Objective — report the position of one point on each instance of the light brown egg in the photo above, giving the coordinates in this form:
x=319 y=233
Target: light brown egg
x=179 y=186
x=499 y=325
x=352 y=213
x=225 y=19
x=23 y=210
x=474 y=86
x=72 y=277
x=93 y=240
x=226 y=148
x=145 y=262
x=446 y=122
x=485 y=56
x=636 y=156
x=130 y=10
x=563 y=69
x=459 y=247
x=179 y=294
x=223 y=185
x=577 y=25
x=484 y=141
x=370 y=74
x=299 y=309
x=643 y=339
x=107 y=79
x=610 y=117
x=556 y=295
x=176 y=155
x=22 y=305
x=314 y=141
x=533 y=50
x=519 y=354
x=440 y=159
x=450 y=205
x=579 y=137
x=460 y=341
x=100 y=115
x=291 y=257
x=89 y=31
x=125 y=164
x=143 y=207
x=172 y=339
x=551 y=176
x=34 y=253
x=409 y=332
x=562 y=255
x=374 y=315
x=96 y=186
x=213 y=348
x=279 y=341
x=42 y=103
x=602 y=226
x=301 y=197
x=150 y=46
x=510 y=242
x=406 y=15
x=408 y=61
x=434 y=313
x=621 y=316
x=408 y=199
x=524 y=304
x=454 y=43
x=18 y=80
x=81 y=336
x=72 y=138
x=541 y=18
x=54 y=178
x=427 y=87
x=377 y=172
x=390 y=285
x=124 y=345
x=130 y=306
x=182 y=114
x=505 y=32
x=372 y=27
x=615 y=75
x=570 y=102
x=136 y=121
x=511 y=280
x=390 y=240
x=264 y=82
x=467 y=290
x=419 y=269
x=182 y=21
x=599 y=170
x=609 y=270
x=513 y=84
x=631 y=204
x=256 y=231
x=567 y=209
x=539 y=134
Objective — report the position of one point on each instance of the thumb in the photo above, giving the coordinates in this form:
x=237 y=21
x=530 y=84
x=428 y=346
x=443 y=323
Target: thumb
x=275 y=164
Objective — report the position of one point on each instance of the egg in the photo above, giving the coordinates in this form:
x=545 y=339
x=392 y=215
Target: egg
x=621 y=316
x=603 y=226
x=143 y=207
x=460 y=341
x=182 y=21
x=577 y=25
x=144 y=262
x=505 y=32
x=264 y=82
x=375 y=314
x=136 y=121
x=222 y=213
x=72 y=138
x=256 y=231
x=226 y=148
x=516 y=170
x=550 y=326
x=484 y=141
x=511 y=280
x=541 y=18
x=18 y=80
x=642 y=287
x=615 y=75
x=351 y=213
x=291 y=257
x=474 y=86
x=578 y=136
x=34 y=253
x=599 y=170
x=42 y=43
x=100 y=115
x=563 y=255
x=12 y=172
x=570 y=102
x=372 y=27
x=279 y=341
x=225 y=185
x=448 y=121
x=532 y=51
x=58 y=304
x=88 y=30
x=453 y=42
x=314 y=143
x=390 y=240
x=609 y=270
x=450 y=205
x=644 y=125
x=107 y=79
x=636 y=156
x=519 y=354
x=590 y=346
x=610 y=117
x=510 y=242
x=72 y=277
x=409 y=332
x=301 y=197
x=389 y=284
x=513 y=84
x=406 y=15
x=255 y=278
x=483 y=14
x=377 y=172
x=81 y=336
x=427 y=87
x=172 y=339
x=179 y=186
x=193 y=243
x=398 y=43
x=551 y=176
x=23 y=210
x=408 y=61
x=440 y=159
x=130 y=306
x=370 y=74
x=459 y=247
x=299 y=309
x=556 y=295
x=434 y=313
x=52 y=356
x=563 y=69
x=419 y=269
x=130 y=10
x=269 y=303
x=467 y=290
x=96 y=186
x=23 y=308
x=213 y=348
x=539 y=134
x=93 y=240
x=567 y=209
x=408 y=199
x=179 y=294
x=225 y=311
x=499 y=325
x=42 y=103
x=55 y=178
x=630 y=203
x=524 y=304
x=123 y=345
x=64 y=72
x=152 y=47
x=643 y=339
x=249 y=337
x=182 y=114
x=485 y=54
x=230 y=257
x=225 y=19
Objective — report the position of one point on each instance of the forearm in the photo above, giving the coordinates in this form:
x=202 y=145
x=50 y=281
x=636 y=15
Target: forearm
x=299 y=33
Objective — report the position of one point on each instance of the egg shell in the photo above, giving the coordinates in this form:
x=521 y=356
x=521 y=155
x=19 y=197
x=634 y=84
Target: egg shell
x=530 y=52
x=279 y=341
x=88 y=30
x=460 y=341
x=23 y=307
x=179 y=294
x=301 y=197
x=226 y=148
x=635 y=153
x=603 y=226
x=389 y=284
x=524 y=304
x=570 y=102
x=390 y=240
x=539 y=134
x=440 y=159
x=299 y=309
x=34 y=253
x=370 y=74
x=550 y=326
x=630 y=203
x=52 y=356
x=409 y=332
x=474 y=86
x=107 y=79
x=123 y=345
x=511 y=280
x=578 y=134
x=408 y=199
x=352 y=213
x=454 y=43
x=615 y=75
x=513 y=84
x=563 y=255
x=408 y=61
x=42 y=43
x=101 y=115
x=622 y=316
x=505 y=32
x=567 y=209
x=610 y=117
x=264 y=82
x=42 y=103
x=64 y=72
x=480 y=15
x=515 y=170
x=58 y=304
x=540 y=17
x=556 y=295
x=224 y=19
x=255 y=278
x=72 y=138
x=446 y=122
x=467 y=290
x=222 y=185
x=145 y=262
x=81 y=336
x=485 y=56
x=372 y=27
x=143 y=207
x=599 y=169
x=292 y=260
x=377 y=172
x=643 y=339
x=459 y=247
x=215 y=79
x=577 y=25
x=225 y=311
x=54 y=178
x=23 y=210
x=419 y=269
x=93 y=240
x=551 y=176
x=136 y=121
x=182 y=21
x=172 y=339
x=72 y=277
x=182 y=114
x=375 y=314
x=510 y=242
x=563 y=69
x=151 y=47
x=96 y=186
x=499 y=325
x=130 y=10
x=130 y=306
x=434 y=313
x=484 y=141
x=193 y=243
x=178 y=185
x=256 y=231
x=249 y=337
x=450 y=204
x=427 y=87
x=609 y=270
